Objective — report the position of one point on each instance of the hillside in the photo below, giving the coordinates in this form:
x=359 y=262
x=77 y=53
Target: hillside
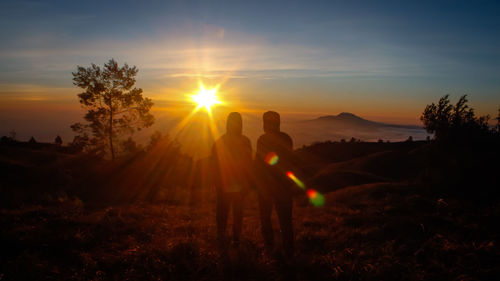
x=367 y=232
x=384 y=166
x=72 y=217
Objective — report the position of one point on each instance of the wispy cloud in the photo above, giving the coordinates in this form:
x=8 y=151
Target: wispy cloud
x=219 y=52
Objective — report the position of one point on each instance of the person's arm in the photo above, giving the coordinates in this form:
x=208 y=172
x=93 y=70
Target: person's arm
x=289 y=142
x=258 y=162
x=292 y=165
x=248 y=149
x=213 y=155
x=258 y=150
x=286 y=145
x=214 y=166
x=249 y=175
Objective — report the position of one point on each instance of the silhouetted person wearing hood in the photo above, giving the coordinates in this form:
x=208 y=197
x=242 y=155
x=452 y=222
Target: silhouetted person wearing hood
x=272 y=161
x=232 y=158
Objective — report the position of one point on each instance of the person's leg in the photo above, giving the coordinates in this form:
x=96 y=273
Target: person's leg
x=237 y=203
x=265 y=208
x=284 y=210
x=221 y=215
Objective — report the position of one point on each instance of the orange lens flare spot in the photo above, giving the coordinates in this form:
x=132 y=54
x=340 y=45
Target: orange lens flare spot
x=311 y=193
x=271 y=158
x=298 y=182
x=316 y=198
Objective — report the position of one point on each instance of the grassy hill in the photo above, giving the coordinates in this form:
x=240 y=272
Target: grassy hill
x=368 y=232
x=72 y=217
x=381 y=166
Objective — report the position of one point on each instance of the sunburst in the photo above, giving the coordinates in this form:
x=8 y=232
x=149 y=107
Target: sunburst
x=206 y=98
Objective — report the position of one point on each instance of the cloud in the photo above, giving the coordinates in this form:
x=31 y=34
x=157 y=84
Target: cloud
x=217 y=51
x=36 y=92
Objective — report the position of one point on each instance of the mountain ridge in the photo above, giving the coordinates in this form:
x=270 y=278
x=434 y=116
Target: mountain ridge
x=353 y=119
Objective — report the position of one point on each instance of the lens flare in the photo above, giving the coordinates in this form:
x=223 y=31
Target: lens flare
x=271 y=158
x=316 y=198
x=295 y=180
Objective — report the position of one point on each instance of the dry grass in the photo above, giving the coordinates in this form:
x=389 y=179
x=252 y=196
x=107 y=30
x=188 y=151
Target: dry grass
x=369 y=232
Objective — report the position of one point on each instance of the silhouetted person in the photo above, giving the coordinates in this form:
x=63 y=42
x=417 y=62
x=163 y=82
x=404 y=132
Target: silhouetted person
x=232 y=158
x=274 y=188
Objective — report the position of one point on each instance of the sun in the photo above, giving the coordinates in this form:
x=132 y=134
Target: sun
x=206 y=98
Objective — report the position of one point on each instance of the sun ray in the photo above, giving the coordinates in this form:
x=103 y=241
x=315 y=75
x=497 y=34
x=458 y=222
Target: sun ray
x=204 y=98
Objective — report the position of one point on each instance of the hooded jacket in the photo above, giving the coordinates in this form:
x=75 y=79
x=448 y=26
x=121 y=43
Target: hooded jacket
x=232 y=157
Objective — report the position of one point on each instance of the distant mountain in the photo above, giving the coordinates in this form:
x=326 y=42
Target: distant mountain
x=344 y=116
x=346 y=125
x=346 y=119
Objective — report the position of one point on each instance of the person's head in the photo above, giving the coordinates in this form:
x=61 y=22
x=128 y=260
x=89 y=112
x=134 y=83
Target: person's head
x=271 y=122
x=234 y=125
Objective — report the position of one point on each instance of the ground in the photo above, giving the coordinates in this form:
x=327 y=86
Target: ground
x=384 y=231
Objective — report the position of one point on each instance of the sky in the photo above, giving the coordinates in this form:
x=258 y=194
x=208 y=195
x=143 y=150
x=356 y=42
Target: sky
x=382 y=60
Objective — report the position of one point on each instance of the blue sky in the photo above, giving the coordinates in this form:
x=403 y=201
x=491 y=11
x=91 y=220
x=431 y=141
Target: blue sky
x=374 y=58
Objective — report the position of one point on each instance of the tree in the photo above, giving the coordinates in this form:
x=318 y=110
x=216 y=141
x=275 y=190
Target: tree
x=436 y=118
x=498 y=121
x=154 y=139
x=454 y=123
x=463 y=158
x=58 y=140
x=5 y=140
x=79 y=143
x=115 y=107
x=130 y=146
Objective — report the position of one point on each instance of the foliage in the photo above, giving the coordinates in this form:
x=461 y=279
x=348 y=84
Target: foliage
x=498 y=121
x=130 y=146
x=454 y=123
x=79 y=142
x=58 y=140
x=6 y=140
x=464 y=144
x=115 y=107
x=155 y=138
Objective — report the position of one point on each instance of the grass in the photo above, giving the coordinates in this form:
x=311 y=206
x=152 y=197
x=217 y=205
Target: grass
x=368 y=232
